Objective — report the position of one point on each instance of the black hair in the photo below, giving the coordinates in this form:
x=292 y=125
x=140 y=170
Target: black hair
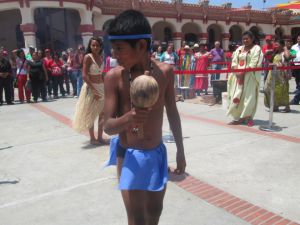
x=56 y=54
x=250 y=34
x=130 y=22
x=100 y=42
x=19 y=51
x=231 y=47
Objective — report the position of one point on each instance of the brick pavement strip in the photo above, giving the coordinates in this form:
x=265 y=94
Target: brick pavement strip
x=236 y=206
x=283 y=222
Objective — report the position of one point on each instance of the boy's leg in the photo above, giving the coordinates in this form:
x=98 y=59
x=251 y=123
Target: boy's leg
x=154 y=206
x=143 y=207
x=135 y=203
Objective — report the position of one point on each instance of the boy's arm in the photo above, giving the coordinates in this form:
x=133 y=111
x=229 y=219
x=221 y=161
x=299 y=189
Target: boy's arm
x=114 y=123
x=174 y=121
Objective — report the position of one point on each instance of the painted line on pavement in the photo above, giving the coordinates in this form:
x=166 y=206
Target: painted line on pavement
x=243 y=128
x=248 y=212
x=56 y=192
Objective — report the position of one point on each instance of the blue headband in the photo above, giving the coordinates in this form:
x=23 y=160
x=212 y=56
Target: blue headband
x=130 y=37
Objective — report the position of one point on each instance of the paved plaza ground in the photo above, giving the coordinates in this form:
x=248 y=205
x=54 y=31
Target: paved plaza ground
x=236 y=175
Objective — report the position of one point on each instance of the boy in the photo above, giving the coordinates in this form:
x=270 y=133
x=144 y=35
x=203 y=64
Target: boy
x=141 y=162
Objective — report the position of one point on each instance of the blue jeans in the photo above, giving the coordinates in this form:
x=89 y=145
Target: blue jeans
x=297 y=96
x=217 y=75
x=192 y=81
x=78 y=75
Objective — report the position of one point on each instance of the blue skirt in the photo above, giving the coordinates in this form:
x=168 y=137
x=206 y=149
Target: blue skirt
x=141 y=169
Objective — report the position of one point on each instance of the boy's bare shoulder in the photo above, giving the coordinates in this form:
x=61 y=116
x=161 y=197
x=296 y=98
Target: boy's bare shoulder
x=163 y=67
x=114 y=75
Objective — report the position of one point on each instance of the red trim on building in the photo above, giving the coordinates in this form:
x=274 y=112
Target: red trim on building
x=177 y=35
x=99 y=33
x=203 y=35
x=226 y=35
x=28 y=27
x=86 y=28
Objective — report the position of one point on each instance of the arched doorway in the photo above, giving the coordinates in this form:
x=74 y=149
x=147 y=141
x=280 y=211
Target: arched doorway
x=11 y=36
x=57 y=29
x=236 y=33
x=214 y=34
x=258 y=34
x=190 y=33
x=162 y=33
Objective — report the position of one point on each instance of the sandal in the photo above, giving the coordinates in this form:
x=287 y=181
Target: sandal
x=94 y=142
x=104 y=141
x=250 y=123
x=234 y=122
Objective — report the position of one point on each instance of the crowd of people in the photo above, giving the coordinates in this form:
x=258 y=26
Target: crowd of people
x=243 y=88
x=40 y=74
x=50 y=74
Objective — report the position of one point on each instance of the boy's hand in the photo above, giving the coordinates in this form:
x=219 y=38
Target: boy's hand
x=137 y=115
x=181 y=164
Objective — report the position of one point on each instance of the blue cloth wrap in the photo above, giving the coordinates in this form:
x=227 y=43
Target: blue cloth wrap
x=141 y=169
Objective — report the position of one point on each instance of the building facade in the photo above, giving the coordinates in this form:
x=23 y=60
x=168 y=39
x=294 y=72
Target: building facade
x=59 y=24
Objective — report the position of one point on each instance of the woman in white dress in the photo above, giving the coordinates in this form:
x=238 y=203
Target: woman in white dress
x=91 y=99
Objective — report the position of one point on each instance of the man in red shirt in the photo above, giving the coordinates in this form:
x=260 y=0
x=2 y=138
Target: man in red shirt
x=268 y=50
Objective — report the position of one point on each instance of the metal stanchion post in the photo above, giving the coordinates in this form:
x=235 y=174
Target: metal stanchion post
x=270 y=127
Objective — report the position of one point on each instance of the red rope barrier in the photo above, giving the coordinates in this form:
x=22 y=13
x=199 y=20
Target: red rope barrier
x=233 y=70
x=228 y=70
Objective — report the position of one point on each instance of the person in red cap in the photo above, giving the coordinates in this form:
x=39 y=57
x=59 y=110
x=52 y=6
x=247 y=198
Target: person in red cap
x=268 y=50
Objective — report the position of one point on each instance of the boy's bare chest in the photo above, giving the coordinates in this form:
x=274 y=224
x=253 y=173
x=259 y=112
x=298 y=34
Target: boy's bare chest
x=124 y=100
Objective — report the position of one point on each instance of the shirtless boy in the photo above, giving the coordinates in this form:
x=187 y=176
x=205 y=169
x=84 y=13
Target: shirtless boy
x=141 y=162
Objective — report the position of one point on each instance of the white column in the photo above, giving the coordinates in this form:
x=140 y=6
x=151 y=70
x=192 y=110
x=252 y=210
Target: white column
x=28 y=26
x=86 y=33
x=177 y=38
x=225 y=40
x=86 y=27
x=29 y=31
x=203 y=38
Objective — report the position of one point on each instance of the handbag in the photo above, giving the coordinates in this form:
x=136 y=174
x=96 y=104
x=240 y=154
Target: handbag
x=16 y=80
